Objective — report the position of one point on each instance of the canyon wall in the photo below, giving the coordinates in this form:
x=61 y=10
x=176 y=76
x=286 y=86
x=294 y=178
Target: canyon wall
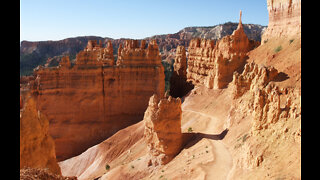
x=37 y=149
x=162 y=132
x=213 y=63
x=284 y=19
x=93 y=99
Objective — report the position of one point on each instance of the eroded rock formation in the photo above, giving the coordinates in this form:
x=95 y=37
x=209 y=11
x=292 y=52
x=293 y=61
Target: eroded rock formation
x=213 y=64
x=37 y=149
x=270 y=103
x=162 y=132
x=275 y=115
x=92 y=100
x=179 y=86
x=284 y=19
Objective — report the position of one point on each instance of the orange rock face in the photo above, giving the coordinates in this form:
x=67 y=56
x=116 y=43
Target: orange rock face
x=179 y=86
x=92 y=100
x=213 y=64
x=37 y=149
x=284 y=19
x=163 y=128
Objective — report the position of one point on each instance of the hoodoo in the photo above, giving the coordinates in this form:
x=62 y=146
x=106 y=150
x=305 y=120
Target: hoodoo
x=162 y=131
x=213 y=64
x=36 y=145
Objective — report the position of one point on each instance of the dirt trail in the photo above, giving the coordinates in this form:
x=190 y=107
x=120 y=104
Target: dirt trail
x=220 y=167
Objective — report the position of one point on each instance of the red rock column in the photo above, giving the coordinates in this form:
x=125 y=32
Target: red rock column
x=163 y=128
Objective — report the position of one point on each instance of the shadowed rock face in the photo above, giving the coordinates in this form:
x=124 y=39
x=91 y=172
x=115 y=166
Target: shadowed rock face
x=37 y=149
x=92 y=100
x=162 y=131
x=213 y=64
x=179 y=86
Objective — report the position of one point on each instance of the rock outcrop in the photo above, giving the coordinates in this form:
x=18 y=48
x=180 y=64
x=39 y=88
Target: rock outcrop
x=273 y=113
x=41 y=173
x=284 y=19
x=179 y=86
x=93 y=99
x=162 y=131
x=270 y=103
x=37 y=149
x=213 y=64
x=253 y=76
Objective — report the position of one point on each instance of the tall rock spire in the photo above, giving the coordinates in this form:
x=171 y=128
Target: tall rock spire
x=240 y=21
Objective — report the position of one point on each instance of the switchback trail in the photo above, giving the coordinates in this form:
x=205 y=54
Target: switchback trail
x=220 y=167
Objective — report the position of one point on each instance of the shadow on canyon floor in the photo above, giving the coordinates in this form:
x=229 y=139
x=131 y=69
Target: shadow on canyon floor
x=281 y=77
x=191 y=139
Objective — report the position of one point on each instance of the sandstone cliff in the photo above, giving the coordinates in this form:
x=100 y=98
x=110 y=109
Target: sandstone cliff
x=284 y=19
x=162 y=132
x=93 y=99
x=37 y=149
x=213 y=63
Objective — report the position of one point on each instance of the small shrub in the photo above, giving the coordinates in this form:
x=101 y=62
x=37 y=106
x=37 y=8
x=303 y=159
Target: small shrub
x=107 y=167
x=265 y=41
x=291 y=40
x=245 y=137
x=278 y=49
x=190 y=129
x=207 y=151
x=237 y=146
x=132 y=166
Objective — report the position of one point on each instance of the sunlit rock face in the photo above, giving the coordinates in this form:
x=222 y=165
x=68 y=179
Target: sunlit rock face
x=96 y=97
x=162 y=132
x=37 y=149
x=284 y=19
x=213 y=63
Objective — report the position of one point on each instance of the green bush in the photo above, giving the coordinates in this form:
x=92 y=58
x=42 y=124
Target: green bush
x=291 y=40
x=245 y=137
x=190 y=129
x=278 y=49
x=107 y=167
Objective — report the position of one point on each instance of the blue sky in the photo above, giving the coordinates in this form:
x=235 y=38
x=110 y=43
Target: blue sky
x=59 y=19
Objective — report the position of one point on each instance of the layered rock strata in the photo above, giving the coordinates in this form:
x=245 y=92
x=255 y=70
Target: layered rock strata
x=37 y=149
x=162 y=132
x=93 y=99
x=179 y=86
x=213 y=63
x=284 y=19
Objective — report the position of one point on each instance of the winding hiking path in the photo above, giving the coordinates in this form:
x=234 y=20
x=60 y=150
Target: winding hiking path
x=220 y=167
